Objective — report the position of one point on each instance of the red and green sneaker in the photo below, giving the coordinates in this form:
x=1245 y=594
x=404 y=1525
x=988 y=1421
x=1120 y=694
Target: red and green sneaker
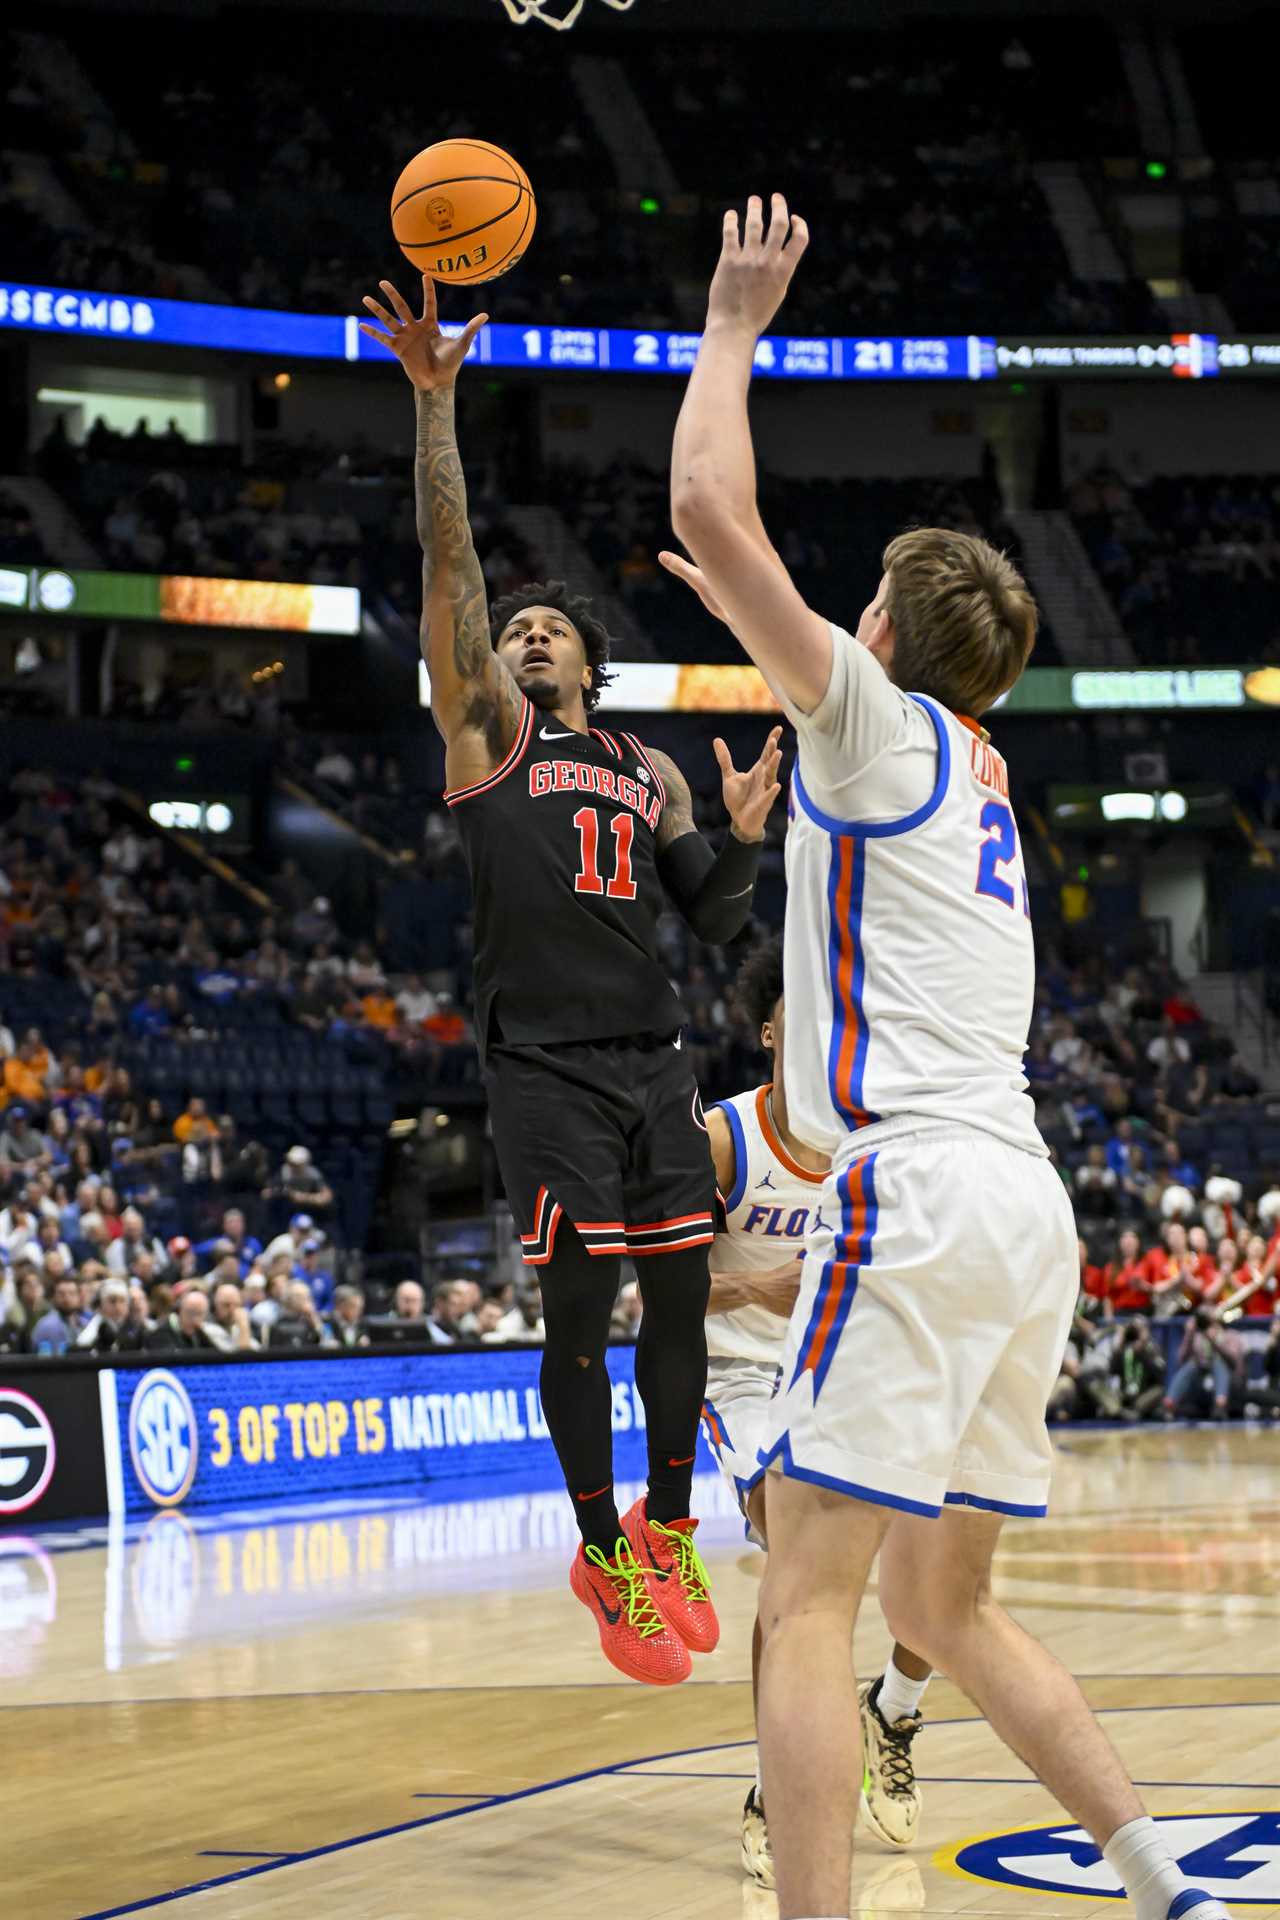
x=634 y=1636
x=677 y=1578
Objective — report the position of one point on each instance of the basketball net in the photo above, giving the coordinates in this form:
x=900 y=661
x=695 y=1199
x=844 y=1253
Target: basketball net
x=523 y=11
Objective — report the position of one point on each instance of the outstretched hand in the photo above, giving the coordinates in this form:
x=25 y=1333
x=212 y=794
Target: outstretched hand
x=754 y=271
x=429 y=356
x=693 y=577
x=749 y=796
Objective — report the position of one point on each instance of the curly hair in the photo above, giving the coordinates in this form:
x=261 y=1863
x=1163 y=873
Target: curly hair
x=576 y=608
x=758 y=987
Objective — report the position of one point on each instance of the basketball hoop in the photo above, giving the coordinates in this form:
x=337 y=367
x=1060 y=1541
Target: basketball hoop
x=523 y=11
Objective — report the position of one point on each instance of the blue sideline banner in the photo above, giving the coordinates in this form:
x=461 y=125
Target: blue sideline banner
x=310 y=336
x=217 y=1435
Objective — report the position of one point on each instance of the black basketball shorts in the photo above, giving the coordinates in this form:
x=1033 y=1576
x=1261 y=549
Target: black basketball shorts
x=607 y=1134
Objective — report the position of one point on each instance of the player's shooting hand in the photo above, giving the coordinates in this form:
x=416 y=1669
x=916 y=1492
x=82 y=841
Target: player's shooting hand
x=430 y=357
x=694 y=577
x=755 y=266
x=749 y=796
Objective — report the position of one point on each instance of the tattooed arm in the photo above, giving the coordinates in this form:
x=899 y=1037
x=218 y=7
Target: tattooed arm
x=475 y=702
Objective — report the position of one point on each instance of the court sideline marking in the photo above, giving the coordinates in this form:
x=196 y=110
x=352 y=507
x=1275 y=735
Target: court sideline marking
x=620 y=1767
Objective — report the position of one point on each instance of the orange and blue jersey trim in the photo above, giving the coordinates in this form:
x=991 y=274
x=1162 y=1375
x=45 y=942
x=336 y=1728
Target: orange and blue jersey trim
x=847 y=1048
x=856 y=1188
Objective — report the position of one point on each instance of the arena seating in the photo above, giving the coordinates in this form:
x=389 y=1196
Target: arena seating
x=1189 y=560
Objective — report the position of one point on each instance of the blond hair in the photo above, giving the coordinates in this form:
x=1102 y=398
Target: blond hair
x=964 y=618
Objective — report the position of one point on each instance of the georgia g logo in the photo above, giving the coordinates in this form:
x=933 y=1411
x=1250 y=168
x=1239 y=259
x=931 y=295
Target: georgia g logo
x=28 y=1451
x=164 y=1442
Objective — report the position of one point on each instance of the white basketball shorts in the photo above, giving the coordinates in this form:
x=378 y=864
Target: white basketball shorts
x=734 y=1417
x=930 y=1326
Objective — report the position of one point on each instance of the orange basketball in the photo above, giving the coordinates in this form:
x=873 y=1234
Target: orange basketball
x=463 y=211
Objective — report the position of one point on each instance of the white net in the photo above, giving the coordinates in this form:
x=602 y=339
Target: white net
x=559 y=14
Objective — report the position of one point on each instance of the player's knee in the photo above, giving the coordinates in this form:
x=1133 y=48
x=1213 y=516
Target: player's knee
x=930 y=1614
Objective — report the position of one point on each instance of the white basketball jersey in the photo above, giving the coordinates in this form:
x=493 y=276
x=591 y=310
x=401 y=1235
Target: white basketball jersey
x=909 y=966
x=771 y=1207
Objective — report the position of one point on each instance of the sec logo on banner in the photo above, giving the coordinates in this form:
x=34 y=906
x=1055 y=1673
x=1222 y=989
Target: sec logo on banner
x=164 y=1441
x=28 y=1451
x=1233 y=1856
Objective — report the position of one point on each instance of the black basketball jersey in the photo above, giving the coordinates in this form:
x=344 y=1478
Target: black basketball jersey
x=560 y=840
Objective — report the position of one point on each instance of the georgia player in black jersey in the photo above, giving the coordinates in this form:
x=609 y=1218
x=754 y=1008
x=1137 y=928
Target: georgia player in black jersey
x=577 y=839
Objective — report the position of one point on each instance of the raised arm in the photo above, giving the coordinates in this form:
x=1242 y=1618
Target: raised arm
x=713 y=475
x=475 y=702
x=714 y=891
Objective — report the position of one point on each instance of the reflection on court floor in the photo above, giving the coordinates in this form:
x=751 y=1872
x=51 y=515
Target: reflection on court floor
x=380 y=1710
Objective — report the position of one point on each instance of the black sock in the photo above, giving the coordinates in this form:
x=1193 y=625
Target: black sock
x=671 y=1373
x=578 y=1292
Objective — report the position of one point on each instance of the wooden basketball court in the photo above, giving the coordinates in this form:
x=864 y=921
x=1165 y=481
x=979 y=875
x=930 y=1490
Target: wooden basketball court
x=394 y=1712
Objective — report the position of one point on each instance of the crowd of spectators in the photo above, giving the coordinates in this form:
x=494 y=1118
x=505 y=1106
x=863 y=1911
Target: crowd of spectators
x=1170 y=1151
x=245 y=168
x=1190 y=561
x=302 y=510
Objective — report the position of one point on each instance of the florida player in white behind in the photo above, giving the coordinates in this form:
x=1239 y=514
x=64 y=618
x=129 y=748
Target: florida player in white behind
x=771 y=1186
x=934 y=1308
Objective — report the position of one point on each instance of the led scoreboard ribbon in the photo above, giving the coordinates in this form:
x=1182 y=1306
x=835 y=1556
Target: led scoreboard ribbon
x=187 y=323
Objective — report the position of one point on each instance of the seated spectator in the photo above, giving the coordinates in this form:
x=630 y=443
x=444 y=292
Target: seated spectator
x=301 y=1183
x=446 y=1025
x=48 y=1240
x=1138 y=1371
x=299 y=1323
x=524 y=1321
x=450 y=1303
x=26 y=1309
x=489 y=1315
x=184 y=1329
x=364 y=971
x=65 y=1321
x=114 y=1328
x=228 y=1325
x=1174 y=1166
x=313 y=1265
x=234 y=1235
x=299 y=1231
x=134 y=1239
x=1096 y=1184
x=414 y=1004
x=25 y=1071
x=378 y=1009
x=266 y=1306
x=21 y=1144
x=193 y=1125
x=346 y=1322
x=18 y=1228
x=1168 y=1048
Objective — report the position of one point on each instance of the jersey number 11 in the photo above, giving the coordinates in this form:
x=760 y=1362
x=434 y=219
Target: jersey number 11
x=587 y=879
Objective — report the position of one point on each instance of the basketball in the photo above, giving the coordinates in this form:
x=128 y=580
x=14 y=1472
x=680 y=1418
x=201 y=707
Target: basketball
x=463 y=211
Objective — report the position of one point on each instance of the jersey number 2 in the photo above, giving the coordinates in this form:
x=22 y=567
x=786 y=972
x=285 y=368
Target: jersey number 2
x=587 y=879
x=998 y=849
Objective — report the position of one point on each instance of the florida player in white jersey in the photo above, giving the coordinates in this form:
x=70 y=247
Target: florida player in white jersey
x=770 y=1186
x=934 y=1305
